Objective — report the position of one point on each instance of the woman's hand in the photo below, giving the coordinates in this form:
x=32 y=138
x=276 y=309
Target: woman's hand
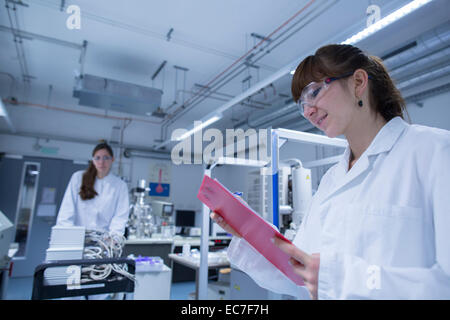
x=305 y=265
x=219 y=220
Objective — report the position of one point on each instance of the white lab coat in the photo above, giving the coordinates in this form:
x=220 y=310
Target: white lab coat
x=108 y=211
x=382 y=229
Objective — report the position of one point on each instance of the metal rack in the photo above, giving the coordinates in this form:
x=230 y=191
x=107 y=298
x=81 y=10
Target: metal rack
x=108 y=285
x=278 y=137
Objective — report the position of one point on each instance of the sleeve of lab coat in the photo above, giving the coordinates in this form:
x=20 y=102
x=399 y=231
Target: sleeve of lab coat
x=344 y=276
x=244 y=257
x=120 y=218
x=66 y=214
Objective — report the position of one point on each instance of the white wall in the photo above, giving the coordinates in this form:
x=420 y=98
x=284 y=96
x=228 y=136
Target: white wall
x=435 y=112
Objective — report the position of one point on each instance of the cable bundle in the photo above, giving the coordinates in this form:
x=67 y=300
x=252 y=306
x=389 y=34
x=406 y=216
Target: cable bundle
x=103 y=245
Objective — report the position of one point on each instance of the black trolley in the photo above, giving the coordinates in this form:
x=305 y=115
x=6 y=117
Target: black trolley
x=112 y=284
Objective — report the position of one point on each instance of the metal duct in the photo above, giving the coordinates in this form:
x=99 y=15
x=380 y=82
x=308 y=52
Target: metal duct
x=429 y=76
x=129 y=153
x=430 y=41
x=108 y=94
x=425 y=63
x=428 y=93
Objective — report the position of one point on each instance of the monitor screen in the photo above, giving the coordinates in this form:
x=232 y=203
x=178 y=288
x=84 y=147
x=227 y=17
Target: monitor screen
x=185 y=218
x=168 y=208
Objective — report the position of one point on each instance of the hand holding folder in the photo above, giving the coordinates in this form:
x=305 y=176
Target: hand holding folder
x=254 y=229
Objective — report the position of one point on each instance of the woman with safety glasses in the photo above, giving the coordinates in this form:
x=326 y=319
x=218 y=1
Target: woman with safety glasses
x=96 y=198
x=378 y=225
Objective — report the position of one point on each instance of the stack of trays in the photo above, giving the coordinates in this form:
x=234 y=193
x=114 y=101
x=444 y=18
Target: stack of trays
x=66 y=243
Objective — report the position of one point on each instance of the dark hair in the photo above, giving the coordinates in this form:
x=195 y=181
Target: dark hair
x=338 y=59
x=87 y=190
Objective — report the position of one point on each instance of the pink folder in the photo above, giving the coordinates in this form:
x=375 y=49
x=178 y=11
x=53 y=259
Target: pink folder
x=249 y=224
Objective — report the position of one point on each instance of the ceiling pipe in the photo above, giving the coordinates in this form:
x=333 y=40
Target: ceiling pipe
x=310 y=16
x=424 y=63
x=245 y=55
x=132 y=150
x=130 y=153
x=430 y=41
x=424 y=78
x=91 y=114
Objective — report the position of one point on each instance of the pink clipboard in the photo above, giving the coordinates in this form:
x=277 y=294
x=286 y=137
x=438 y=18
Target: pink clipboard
x=249 y=224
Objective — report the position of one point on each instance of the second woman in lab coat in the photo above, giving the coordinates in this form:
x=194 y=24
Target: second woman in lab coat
x=378 y=225
x=96 y=198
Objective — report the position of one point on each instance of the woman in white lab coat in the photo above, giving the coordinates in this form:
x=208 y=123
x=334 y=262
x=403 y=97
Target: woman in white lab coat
x=96 y=198
x=378 y=225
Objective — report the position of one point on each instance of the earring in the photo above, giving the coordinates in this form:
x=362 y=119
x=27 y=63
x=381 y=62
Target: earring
x=360 y=103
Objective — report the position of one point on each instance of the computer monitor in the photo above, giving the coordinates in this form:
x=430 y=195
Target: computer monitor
x=185 y=218
x=162 y=209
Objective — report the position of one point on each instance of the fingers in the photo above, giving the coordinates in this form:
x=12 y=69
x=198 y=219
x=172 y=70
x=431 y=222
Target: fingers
x=219 y=220
x=291 y=250
x=241 y=199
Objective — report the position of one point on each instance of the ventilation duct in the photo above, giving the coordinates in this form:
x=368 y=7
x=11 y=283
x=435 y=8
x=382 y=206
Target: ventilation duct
x=108 y=94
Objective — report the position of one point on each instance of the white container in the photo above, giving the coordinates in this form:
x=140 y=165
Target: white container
x=153 y=285
x=149 y=264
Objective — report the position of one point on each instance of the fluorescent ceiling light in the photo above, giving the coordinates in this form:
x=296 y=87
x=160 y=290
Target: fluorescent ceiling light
x=380 y=24
x=197 y=128
x=2 y=109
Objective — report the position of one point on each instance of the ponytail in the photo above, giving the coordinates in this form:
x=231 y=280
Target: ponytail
x=87 y=190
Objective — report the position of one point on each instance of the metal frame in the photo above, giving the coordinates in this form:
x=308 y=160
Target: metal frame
x=33 y=206
x=278 y=138
x=204 y=246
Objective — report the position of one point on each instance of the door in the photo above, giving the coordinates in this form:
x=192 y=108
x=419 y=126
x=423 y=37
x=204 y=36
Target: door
x=34 y=188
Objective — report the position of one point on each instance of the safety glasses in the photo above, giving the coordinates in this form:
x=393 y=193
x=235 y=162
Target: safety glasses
x=314 y=91
x=104 y=158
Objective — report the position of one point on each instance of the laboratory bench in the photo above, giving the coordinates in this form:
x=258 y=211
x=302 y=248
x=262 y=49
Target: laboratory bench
x=162 y=247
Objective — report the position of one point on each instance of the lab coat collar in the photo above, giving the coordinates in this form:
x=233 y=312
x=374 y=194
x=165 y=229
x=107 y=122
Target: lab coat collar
x=383 y=142
x=387 y=136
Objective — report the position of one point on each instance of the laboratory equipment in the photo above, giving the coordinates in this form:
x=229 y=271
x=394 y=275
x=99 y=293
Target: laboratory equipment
x=295 y=194
x=164 y=220
x=6 y=236
x=83 y=262
x=153 y=278
x=184 y=221
x=141 y=223
x=301 y=193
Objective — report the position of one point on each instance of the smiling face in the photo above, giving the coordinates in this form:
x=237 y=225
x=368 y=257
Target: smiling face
x=102 y=160
x=334 y=109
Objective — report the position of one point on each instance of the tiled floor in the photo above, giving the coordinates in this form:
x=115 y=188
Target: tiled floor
x=21 y=288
